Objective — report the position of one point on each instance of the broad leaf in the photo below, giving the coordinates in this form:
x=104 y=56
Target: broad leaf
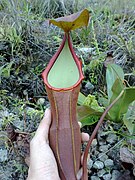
x=91 y=102
x=87 y=115
x=121 y=107
x=113 y=72
x=72 y=21
x=129 y=119
x=89 y=120
x=81 y=98
x=103 y=101
x=89 y=111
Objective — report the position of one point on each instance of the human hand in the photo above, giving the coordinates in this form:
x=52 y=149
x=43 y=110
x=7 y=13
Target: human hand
x=43 y=165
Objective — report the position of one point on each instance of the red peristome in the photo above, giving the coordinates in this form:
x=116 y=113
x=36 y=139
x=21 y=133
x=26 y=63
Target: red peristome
x=54 y=58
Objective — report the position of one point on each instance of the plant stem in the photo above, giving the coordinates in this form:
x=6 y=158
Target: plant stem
x=94 y=134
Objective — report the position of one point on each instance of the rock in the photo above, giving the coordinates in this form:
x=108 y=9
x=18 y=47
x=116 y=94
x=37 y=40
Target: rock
x=89 y=86
x=94 y=142
x=126 y=175
x=95 y=152
x=101 y=172
x=115 y=174
x=107 y=176
x=114 y=154
x=111 y=138
x=131 y=141
x=4 y=113
x=101 y=137
x=109 y=163
x=104 y=148
x=98 y=165
x=89 y=163
x=3 y=154
x=94 y=178
x=18 y=123
x=86 y=50
x=103 y=133
x=40 y=101
x=102 y=157
x=126 y=155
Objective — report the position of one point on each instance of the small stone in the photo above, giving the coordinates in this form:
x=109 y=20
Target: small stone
x=101 y=172
x=40 y=101
x=95 y=152
x=86 y=50
x=126 y=155
x=89 y=163
x=103 y=134
x=94 y=178
x=104 y=148
x=109 y=163
x=114 y=153
x=89 y=86
x=115 y=174
x=3 y=155
x=98 y=165
x=112 y=138
x=4 y=113
x=107 y=176
x=102 y=157
x=94 y=142
x=18 y=123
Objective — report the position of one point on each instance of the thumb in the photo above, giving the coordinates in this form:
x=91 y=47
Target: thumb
x=43 y=128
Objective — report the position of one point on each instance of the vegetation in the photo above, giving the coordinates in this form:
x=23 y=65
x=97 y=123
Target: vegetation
x=106 y=48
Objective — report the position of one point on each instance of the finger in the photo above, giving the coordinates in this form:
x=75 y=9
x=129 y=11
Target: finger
x=80 y=124
x=79 y=174
x=44 y=125
x=85 y=137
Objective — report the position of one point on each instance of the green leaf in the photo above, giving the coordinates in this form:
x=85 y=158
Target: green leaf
x=129 y=119
x=87 y=115
x=91 y=102
x=102 y=100
x=121 y=107
x=113 y=72
x=7 y=69
x=72 y=21
x=89 y=120
x=81 y=98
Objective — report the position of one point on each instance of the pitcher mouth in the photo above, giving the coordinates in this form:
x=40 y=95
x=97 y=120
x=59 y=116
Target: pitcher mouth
x=78 y=63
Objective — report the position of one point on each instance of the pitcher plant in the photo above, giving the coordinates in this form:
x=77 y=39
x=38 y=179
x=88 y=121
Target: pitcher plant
x=62 y=78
